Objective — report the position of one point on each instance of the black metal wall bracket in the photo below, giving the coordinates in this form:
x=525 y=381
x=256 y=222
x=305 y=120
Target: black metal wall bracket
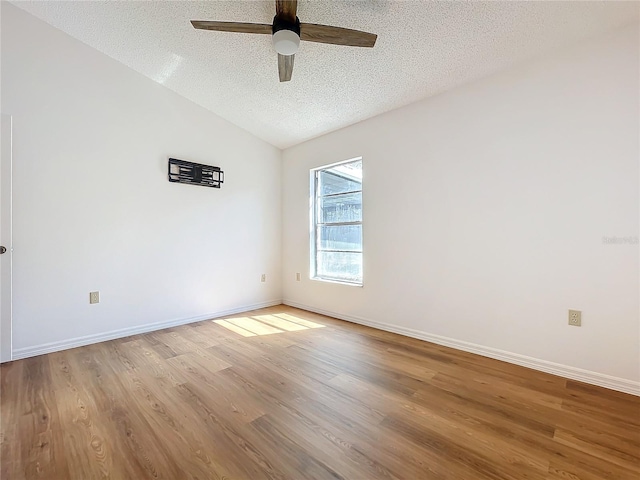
x=181 y=171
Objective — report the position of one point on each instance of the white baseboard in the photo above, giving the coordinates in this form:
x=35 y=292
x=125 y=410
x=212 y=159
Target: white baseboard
x=573 y=373
x=26 y=352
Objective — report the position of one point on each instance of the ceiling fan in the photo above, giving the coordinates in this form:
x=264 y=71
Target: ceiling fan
x=287 y=31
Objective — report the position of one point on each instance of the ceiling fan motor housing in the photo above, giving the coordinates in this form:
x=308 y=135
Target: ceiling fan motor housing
x=286 y=36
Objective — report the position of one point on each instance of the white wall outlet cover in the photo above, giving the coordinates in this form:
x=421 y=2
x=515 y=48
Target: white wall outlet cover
x=575 y=318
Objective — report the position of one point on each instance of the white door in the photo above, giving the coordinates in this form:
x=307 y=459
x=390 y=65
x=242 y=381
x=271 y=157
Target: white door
x=5 y=238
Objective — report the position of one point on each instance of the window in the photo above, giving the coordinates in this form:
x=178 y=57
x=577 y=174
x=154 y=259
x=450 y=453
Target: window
x=336 y=223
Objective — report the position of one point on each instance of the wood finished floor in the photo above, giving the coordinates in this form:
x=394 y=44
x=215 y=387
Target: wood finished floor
x=285 y=394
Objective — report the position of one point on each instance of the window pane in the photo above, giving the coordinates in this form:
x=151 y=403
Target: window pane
x=333 y=181
x=340 y=237
x=336 y=248
x=341 y=208
x=340 y=266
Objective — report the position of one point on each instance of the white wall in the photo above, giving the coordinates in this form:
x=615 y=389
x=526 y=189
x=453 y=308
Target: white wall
x=484 y=213
x=93 y=209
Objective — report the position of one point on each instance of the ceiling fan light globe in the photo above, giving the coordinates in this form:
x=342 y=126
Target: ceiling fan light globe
x=286 y=42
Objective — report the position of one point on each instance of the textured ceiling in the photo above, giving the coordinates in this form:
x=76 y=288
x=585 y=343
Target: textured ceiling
x=423 y=48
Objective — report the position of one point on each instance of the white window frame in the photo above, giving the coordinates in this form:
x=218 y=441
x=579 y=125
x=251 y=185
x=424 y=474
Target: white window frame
x=314 y=224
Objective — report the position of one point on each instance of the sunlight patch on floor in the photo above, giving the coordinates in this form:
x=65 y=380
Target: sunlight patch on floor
x=298 y=320
x=280 y=323
x=266 y=324
x=234 y=328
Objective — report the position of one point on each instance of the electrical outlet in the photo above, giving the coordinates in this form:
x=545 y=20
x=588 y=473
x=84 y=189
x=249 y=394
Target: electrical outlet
x=575 y=318
x=263 y=278
x=94 y=297
x=297 y=277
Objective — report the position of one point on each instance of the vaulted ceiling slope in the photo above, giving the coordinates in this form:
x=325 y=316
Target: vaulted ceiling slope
x=423 y=48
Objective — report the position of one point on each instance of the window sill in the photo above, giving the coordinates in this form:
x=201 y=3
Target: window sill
x=339 y=282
